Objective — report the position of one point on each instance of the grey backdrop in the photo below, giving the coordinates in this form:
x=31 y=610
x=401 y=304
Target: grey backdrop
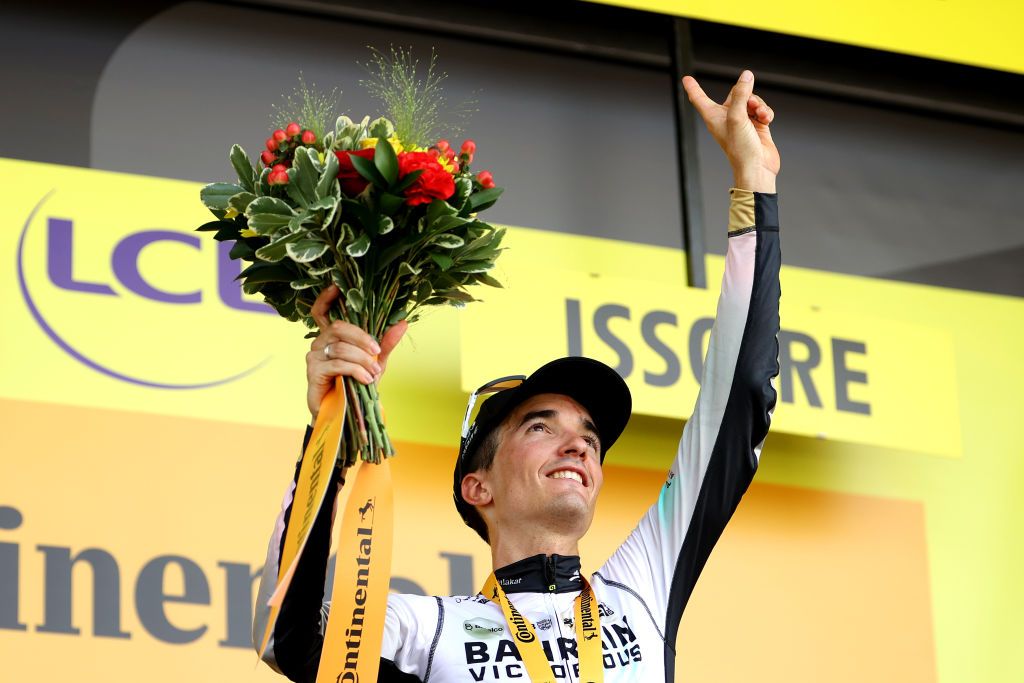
x=584 y=146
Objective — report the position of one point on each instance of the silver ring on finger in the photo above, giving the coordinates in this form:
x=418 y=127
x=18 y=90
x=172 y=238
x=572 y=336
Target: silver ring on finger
x=327 y=351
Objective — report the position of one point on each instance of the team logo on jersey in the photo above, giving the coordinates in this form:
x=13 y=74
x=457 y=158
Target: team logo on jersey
x=482 y=628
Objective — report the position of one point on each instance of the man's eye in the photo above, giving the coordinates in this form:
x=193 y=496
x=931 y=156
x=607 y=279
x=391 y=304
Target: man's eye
x=535 y=427
x=591 y=441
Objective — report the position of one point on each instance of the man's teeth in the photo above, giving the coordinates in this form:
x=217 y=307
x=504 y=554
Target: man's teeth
x=567 y=474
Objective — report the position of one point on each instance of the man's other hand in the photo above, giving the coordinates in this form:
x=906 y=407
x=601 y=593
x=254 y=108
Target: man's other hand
x=740 y=126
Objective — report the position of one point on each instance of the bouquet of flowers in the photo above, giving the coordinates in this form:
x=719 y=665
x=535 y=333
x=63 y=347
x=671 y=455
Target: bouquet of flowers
x=378 y=208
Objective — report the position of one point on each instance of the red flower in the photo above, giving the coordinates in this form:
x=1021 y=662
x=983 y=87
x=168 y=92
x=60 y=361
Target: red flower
x=292 y=130
x=351 y=182
x=485 y=179
x=268 y=157
x=308 y=137
x=433 y=183
x=467 y=151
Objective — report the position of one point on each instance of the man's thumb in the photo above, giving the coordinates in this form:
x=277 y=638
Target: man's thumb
x=740 y=95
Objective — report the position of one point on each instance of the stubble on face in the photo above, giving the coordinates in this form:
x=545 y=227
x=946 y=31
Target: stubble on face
x=547 y=433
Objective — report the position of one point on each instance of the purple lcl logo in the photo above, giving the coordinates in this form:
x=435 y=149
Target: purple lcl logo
x=124 y=262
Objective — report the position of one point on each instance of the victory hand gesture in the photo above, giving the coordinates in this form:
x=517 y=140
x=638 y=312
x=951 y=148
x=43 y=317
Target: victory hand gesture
x=740 y=126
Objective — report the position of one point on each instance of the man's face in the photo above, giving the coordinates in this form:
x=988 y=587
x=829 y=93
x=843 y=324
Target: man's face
x=547 y=470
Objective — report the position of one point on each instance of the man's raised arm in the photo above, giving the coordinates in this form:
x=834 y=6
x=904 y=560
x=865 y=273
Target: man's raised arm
x=721 y=443
x=341 y=349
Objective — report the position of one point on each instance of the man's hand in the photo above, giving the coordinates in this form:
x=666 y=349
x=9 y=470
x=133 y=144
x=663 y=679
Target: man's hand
x=343 y=349
x=740 y=126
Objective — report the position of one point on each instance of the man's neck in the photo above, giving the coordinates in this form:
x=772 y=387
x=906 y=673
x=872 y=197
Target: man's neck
x=512 y=547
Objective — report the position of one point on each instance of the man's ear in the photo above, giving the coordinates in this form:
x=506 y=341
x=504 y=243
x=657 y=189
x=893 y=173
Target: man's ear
x=475 y=489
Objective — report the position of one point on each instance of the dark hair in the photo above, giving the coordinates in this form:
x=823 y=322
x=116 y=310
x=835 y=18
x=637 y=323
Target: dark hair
x=481 y=459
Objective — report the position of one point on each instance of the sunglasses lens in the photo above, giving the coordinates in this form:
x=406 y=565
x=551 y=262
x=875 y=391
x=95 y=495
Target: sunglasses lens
x=501 y=385
x=493 y=387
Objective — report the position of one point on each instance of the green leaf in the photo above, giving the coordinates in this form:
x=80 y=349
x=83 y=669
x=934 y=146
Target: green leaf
x=292 y=190
x=216 y=196
x=423 y=291
x=404 y=268
x=486 y=279
x=246 y=174
x=327 y=202
x=306 y=174
x=306 y=250
x=363 y=216
x=267 y=272
x=230 y=231
x=276 y=250
x=213 y=225
x=475 y=266
x=359 y=247
x=240 y=202
x=397 y=316
x=304 y=283
x=241 y=250
x=437 y=209
x=263 y=185
x=446 y=223
x=484 y=198
x=267 y=223
x=393 y=252
x=385 y=225
x=443 y=261
x=321 y=270
x=458 y=295
x=297 y=222
x=368 y=170
x=269 y=205
x=386 y=161
x=380 y=128
x=329 y=178
x=354 y=299
x=406 y=180
x=447 y=240
x=390 y=203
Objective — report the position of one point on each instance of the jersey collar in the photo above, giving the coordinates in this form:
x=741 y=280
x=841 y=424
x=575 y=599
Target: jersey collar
x=541 y=574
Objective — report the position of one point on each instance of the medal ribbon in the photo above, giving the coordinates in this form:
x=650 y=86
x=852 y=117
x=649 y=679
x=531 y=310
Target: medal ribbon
x=588 y=634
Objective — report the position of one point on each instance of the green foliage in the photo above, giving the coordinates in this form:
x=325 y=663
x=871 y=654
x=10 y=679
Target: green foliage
x=413 y=96
x=307 y=106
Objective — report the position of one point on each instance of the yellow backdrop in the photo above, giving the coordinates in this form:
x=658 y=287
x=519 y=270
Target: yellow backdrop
x=134 y=509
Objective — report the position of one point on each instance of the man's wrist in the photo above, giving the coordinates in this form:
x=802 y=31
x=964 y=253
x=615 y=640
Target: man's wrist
x=754 y=181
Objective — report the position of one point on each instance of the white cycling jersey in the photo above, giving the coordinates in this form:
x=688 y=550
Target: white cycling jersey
x=643 y=587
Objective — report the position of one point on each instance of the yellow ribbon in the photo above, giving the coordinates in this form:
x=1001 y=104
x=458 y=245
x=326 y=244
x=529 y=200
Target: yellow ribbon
x=355 y=629
x=315 y=475
x=588 y=635
x=362 y=574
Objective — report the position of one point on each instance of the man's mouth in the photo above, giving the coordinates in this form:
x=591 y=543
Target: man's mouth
x=567 y=474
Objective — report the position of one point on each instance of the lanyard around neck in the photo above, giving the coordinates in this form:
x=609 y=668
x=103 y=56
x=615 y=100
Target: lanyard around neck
x=588 y=634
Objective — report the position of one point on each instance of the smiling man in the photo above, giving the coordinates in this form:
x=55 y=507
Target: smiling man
x=529 y=473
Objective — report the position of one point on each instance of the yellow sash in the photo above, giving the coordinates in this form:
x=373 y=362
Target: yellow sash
x=355 y=630
x=315 y=474
x=588 y=634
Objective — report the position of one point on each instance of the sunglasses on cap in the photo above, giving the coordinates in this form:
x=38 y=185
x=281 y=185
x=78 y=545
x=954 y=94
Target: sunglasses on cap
x=492 y=387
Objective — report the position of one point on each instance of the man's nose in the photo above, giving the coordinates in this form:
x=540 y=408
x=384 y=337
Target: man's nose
x=575 y=445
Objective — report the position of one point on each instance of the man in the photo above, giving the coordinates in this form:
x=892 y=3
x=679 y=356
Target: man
x=529 y=473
